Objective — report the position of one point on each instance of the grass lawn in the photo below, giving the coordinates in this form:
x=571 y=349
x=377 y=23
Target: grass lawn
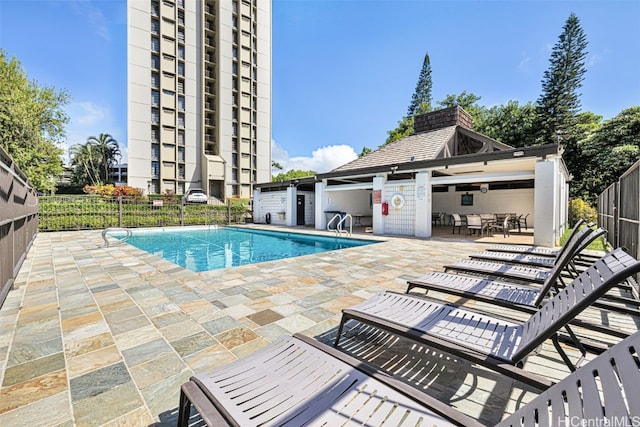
x=600 y=244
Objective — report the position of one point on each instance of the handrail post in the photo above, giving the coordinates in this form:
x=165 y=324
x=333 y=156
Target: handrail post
x=119 y=211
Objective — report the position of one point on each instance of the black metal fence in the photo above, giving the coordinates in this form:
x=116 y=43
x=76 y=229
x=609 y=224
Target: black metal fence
x=619 y=211
x=18 y=221
x=58 y=213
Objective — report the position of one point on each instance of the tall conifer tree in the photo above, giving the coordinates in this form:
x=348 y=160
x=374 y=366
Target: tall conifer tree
x=559 y=102
x=421 y=99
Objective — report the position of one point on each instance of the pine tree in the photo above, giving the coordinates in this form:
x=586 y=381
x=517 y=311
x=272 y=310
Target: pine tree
x=421 y=99
x=559 y=102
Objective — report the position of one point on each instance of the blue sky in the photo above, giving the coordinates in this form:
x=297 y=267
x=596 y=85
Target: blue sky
x=343 y=70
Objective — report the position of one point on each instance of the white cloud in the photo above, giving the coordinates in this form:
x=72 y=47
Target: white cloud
x=594 y=59
x=322 y=160
x=93 y=14
x=525 y=60
x=90 y=119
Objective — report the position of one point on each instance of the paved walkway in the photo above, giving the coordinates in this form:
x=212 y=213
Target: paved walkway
x=96 y=336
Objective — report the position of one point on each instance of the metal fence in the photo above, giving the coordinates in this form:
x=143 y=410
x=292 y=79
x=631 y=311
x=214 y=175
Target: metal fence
x=18 y=221
x=87 y=212
x=619 y=211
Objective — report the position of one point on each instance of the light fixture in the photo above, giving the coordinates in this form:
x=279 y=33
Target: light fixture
x=394 y=168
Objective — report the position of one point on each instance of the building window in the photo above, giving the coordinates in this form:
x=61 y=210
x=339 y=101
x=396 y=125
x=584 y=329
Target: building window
x=155 y=134
x=155 y=8
x=180 y=17
x=155 y=44
x=155 y=169
x=181 y=172
x=155 y=151
x=155 y=116
x=234 y=67
x=234 y=190
x=234 y=83
x=234 y=129
x=180 y=189
x=181 y=103
x=180 y=34
x=234 y=174
x=155 y=98
x=155 y=80
x=181 y=154
x=155 y=26
x=235 y=22
x=235 y=7
x=234 y=53
x=234 y=160
x=180 y=69
x=181 y=52
x=181 y=120
x=155 y=62
x=180 y=137
x=180 y=86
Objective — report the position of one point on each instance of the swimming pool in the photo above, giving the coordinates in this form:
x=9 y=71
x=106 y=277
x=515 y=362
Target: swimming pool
x=204 y=249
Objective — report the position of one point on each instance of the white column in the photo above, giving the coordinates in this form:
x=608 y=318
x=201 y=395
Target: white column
x=321 y=220
x=423 y=204
x=546 y=205
x=291 y=211
x=378 y=219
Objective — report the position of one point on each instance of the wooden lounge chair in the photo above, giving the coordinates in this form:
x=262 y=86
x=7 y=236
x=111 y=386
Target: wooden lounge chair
x=489 y=340
x=606 y=388
x=579 y=242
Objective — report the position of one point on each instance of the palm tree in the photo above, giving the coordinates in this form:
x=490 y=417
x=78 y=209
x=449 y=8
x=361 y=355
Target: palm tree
x=109 y=151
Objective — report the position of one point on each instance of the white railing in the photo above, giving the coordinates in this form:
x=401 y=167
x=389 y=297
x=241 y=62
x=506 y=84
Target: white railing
x=340 y=222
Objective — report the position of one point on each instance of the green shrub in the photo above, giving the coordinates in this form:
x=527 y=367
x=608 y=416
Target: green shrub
x=579 y=209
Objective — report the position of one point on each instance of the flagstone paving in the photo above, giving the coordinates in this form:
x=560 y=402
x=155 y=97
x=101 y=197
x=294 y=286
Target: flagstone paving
x=93 y=335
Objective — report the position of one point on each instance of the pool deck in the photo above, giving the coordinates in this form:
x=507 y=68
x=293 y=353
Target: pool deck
x=93 y=335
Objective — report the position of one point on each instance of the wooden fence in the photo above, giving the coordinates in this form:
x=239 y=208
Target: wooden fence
x=619 y=211
x=18 y=221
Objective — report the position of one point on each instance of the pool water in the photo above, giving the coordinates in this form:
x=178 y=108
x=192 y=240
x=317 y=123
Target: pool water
x=222 y=247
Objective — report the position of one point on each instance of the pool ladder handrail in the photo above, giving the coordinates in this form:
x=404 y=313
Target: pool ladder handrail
x=339 y=226
x=106 y=230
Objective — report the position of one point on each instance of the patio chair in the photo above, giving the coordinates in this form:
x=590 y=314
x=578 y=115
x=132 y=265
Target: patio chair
x=504 y=224
x=299 y=381
x=457 y=222
x=474 y=223
x=536 y=250
x=440 y=218
x=523 y=220
x=606 y=387
x=575 y=245
x=489 y=340
x=516 y=271
x=524 y=297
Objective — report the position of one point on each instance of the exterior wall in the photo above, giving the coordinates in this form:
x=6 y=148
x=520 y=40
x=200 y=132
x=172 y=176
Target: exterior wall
x=401 y=220
x=520 y=201
x=274 y=203
x=550 y=203
x=309 y=207
x=211 y=96
x=349 y=201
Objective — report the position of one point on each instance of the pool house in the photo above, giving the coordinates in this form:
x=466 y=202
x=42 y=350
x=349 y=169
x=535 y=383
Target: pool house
x=444 y=167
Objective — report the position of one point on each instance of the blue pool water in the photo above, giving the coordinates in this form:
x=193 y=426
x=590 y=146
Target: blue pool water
x=214 y=248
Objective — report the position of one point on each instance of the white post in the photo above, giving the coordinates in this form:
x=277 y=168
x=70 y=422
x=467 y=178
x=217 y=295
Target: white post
x=291 y=211
x=378 y=219
x=423 y=204
x=321 y=220
x=546 y=203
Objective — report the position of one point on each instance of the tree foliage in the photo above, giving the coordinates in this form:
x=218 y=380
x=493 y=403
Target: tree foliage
x=32 y=123
x=560 y=101
x=510 y=123
x=607 y=152
x=292 y=174
x=405 y=128
x=422 y=98
x=91 y=161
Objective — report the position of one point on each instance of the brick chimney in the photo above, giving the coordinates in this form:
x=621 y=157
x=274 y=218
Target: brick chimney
x=442 y=118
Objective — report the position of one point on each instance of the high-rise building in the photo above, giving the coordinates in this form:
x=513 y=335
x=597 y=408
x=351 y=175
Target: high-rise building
x=199 y=95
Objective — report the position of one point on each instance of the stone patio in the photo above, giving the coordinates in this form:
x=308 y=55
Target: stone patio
x=93 y=335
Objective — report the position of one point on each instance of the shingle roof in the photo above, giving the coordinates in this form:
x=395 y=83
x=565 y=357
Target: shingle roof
x=421 y=146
